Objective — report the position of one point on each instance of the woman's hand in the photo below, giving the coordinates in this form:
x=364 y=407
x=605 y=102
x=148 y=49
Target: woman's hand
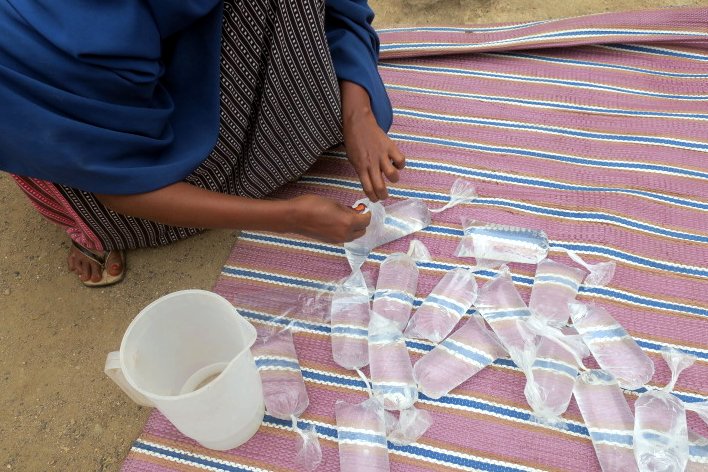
x=326 y=220
x=370 y=151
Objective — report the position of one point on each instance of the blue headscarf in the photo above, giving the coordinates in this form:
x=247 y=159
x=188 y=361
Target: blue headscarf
x=122 y=96
x=109 y=96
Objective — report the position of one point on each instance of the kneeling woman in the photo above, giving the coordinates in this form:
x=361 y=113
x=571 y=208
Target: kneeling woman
x=137 y=124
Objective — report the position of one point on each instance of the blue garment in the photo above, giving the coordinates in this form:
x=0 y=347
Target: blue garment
x=122 y=96
x=354 y=46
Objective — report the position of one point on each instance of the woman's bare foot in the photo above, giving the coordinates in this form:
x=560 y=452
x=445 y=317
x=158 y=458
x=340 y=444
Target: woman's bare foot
x=88 y=269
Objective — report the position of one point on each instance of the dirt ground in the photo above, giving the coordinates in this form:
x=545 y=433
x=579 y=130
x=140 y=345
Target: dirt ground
x=57 y=409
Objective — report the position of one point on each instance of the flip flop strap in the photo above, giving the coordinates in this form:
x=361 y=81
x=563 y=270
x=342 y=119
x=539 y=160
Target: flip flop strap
x=97 y=258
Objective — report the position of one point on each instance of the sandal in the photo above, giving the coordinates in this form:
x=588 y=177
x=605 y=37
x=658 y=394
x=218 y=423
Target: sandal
x=100 y=259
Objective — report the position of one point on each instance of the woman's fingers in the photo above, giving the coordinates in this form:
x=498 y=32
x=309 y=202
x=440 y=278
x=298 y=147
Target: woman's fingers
x=372 y=177
x=372 y=181
x=388 y=169
x=361 y=221
x=359 y=224
x=397 y=157
x=358 y=234
x=377 y=181
x=356 y=227
x=383 y=161
x=366 y=183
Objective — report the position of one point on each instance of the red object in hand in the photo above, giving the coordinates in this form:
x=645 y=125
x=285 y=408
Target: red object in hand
x=360 y=208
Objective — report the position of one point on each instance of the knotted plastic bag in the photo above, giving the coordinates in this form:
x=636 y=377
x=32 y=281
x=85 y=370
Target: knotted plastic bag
x=600 y=274
x=443 y=308
x=471 y=348
x=410 y=425
x=613 y=348
x=492 y=244
x=462 y=191
x=398 y=220
x=503 y=308
x=608 y=419
x=376 y=234
x=397 y=284
x=284 y=392
x=660 y=428
x=361 y=433
x=554 y=286
x=551 y=365
x=309 y=452
x=390 y=365
x=349 y=320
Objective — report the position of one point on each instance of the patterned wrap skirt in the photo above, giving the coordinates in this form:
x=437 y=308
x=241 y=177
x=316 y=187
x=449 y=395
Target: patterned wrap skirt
x=280 y=109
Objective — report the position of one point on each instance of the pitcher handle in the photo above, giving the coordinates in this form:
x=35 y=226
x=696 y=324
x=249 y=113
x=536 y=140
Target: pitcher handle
x=115 y=373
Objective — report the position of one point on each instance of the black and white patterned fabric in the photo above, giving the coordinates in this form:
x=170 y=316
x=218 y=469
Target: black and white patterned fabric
x=280 y=109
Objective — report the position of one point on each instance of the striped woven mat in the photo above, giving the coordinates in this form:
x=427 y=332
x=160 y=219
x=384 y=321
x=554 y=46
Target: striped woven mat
x=594 y=129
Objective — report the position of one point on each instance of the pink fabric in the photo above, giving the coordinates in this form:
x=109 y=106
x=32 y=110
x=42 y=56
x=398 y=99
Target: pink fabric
x=51 y=204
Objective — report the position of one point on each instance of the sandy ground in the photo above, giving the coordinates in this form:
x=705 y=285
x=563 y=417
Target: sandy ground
x=57 y=409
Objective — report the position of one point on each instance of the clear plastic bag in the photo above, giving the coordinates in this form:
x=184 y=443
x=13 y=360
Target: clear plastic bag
x=471 y=348
x=661 y=432
x=554 y=286
x=284 y=390
x=397 y=284
x=309 y=452
x=608 y=418
x=504 y=310
x=281 y=305
x=387 y=224
x=492 y=243
x=443 y=308
x=358 y=250
x=660 y=428
x=600 y=274
x=462 y=191
x=551 y=366
x=390 y=365
x=613 y=348
x=405 y=217
x=361 y=433
x=349 y=320
x=398 y=220
x=410 y=426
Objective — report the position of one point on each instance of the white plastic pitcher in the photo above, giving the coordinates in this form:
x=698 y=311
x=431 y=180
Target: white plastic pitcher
x=188 y=354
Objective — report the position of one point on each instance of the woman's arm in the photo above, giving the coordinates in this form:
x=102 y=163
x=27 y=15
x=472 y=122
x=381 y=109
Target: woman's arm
x=366 y=109
x=182 y=204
